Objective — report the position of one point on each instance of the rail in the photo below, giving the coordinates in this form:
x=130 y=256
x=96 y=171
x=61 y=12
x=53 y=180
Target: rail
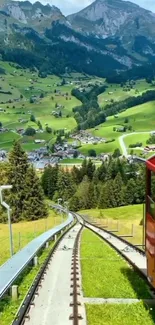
x=134 y=255
x=10 y=271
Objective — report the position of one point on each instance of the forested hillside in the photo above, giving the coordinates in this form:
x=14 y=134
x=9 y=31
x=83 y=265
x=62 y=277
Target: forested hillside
x=115 y=183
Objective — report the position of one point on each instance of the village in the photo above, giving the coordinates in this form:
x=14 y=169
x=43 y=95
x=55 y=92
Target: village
x=41 y=157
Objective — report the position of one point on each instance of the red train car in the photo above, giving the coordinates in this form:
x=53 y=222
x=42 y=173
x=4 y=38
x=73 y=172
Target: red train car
x=150 y=219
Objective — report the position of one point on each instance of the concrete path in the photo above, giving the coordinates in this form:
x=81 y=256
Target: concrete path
x=52 y=305
x=122 y=144
x=132 y=254
x=101 y=301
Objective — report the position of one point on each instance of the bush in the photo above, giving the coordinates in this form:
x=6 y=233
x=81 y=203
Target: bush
x=92 y=153
x=48 y=129
x=135 y=145
x=30 y=131
x=32 y=118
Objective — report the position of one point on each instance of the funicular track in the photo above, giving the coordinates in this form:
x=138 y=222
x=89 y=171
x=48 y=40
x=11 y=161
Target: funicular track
x=131 y=253
x=51 y=298
x=75 y=312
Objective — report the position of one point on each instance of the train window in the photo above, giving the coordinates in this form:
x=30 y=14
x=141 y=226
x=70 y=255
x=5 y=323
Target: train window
x=151 y=207
x=152 y=185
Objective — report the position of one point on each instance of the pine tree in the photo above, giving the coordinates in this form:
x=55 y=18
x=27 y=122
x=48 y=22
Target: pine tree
x=90 y=169
x=101 y=172
x=49 y=181
x=83 y=170
x=118 y=190
x=74 y=203
x=66 y=187
x=130 y=192
x=76 y=174
x=83 y=193
x=26 y=198
x=103 y=198
x=107 y=197
x=18 y=165
x=34 y=206
x=91 y=196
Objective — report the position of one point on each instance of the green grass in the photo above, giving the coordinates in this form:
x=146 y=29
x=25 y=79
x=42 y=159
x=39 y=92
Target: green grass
x=130 y=212
x=128 y=217
x=140 y=118
x=27 y=230
x=100 y=148
x=112 y=314
x=8 y=307
x=119 y=94
x=22 y=81
x=7 y=139
x=105 y=274
x=28 y=83
x=71 y=161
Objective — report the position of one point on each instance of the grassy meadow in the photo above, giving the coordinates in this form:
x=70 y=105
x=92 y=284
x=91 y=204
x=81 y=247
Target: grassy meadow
x=118 y=93
x=125 y=219
x=124 y=314
x=23 y=84
x=140 y=118
x=100 y=262
x=24 y=232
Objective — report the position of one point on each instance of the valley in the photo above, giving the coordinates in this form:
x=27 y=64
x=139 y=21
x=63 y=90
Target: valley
x=44 y=106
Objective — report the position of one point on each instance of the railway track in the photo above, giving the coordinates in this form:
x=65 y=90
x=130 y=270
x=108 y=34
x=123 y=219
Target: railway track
x=55 y=295
x=133 y=254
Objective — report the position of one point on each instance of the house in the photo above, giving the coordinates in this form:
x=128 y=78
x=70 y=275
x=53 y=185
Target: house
x=122 y=129
x=37 y=141
x=20 y=131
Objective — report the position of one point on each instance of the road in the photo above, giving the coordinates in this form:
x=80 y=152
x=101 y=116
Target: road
x=122 y=144
x=52 y=305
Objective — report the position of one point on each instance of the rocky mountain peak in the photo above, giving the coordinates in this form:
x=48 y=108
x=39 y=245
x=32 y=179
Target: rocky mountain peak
x=27 y=13
x=108 y=18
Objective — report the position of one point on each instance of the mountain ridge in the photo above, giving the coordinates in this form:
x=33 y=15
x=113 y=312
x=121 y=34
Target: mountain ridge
x=108 y=35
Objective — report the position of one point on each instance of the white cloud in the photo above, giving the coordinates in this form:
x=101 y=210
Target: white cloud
x=71 y=6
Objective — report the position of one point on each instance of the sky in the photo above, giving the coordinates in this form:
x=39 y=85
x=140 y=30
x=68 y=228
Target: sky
x=70 y=6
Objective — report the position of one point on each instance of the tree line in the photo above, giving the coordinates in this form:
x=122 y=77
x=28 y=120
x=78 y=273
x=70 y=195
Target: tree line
x=120 y=106
x=115 y=183
x=89 y=114
x=146 y=71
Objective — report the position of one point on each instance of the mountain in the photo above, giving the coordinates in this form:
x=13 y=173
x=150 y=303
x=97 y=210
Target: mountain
x=107 y=36
x=118 y=19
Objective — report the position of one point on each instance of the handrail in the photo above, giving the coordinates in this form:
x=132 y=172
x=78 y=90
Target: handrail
x=10 y=270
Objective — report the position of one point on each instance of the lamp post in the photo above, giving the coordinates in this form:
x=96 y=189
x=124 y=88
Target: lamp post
x=5 y=205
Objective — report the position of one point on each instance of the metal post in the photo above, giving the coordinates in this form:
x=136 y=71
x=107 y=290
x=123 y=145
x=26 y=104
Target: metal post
x=10 y=232
x=7 y=207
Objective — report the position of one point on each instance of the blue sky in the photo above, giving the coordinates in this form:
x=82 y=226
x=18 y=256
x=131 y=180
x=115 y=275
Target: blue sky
x=71 y=6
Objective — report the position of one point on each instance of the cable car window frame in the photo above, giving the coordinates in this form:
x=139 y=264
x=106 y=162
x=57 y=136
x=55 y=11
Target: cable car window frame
x=151 y=207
